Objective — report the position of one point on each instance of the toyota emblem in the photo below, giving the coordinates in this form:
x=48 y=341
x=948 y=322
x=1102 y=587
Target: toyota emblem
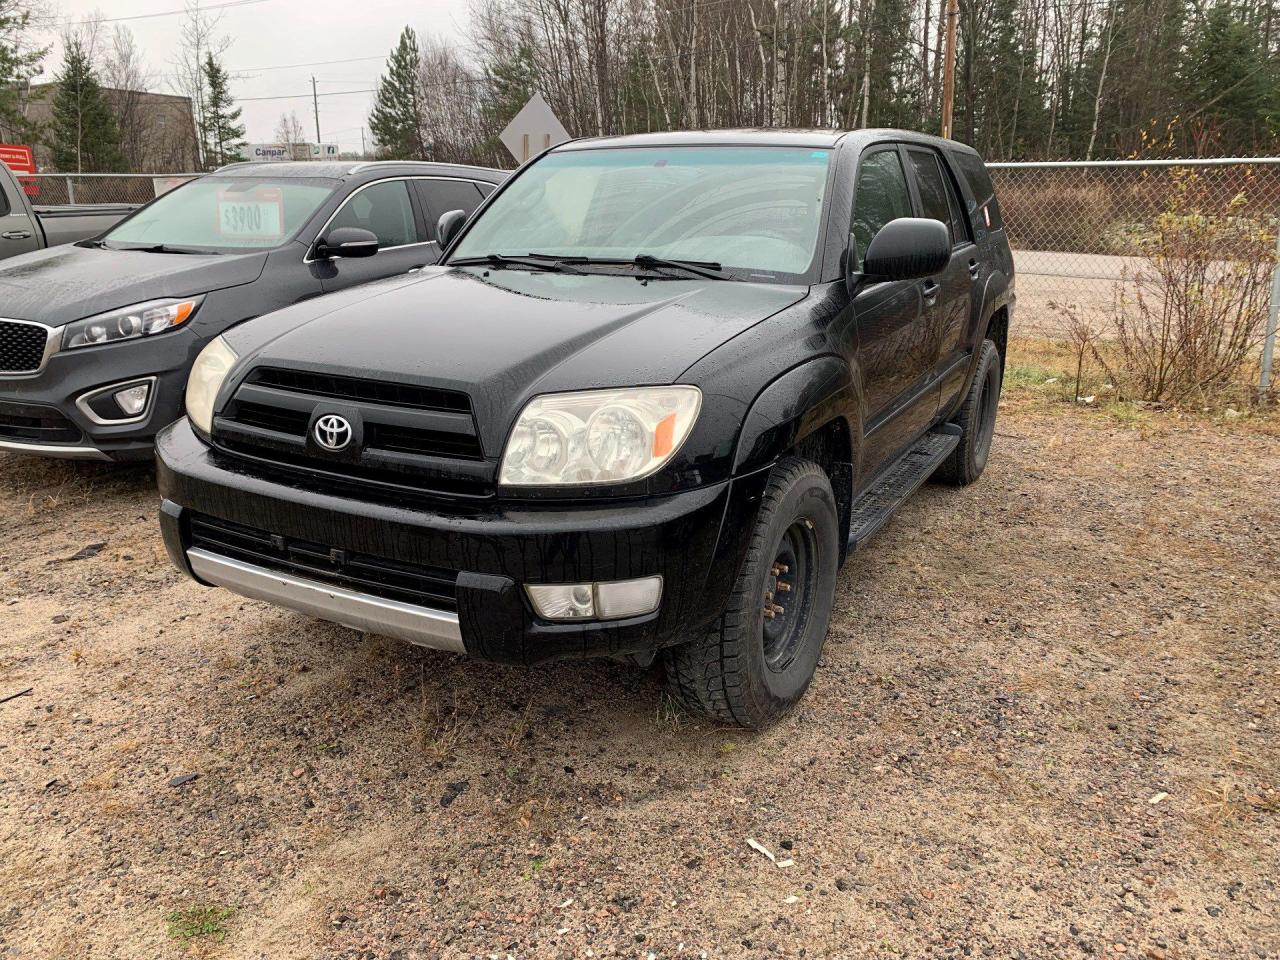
x=332 y=432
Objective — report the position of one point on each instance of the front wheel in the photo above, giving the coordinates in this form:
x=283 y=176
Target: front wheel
x=977 y=418
x=757 y=661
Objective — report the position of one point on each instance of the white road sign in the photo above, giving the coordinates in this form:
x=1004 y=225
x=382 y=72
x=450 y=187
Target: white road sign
x=532 y=130
x=324 y=151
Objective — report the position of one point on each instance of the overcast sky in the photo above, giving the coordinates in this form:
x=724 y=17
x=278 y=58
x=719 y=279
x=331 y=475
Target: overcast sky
x=281 y=33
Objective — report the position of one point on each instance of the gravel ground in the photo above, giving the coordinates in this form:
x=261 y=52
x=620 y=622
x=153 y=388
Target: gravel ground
x=1045 y=725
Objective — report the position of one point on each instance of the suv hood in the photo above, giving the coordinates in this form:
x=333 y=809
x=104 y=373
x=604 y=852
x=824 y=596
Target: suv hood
x=509 y=335
x=61 y=284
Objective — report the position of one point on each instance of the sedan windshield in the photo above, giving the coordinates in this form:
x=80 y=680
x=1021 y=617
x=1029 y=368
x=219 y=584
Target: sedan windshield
x=225 y=214
x=753 y=211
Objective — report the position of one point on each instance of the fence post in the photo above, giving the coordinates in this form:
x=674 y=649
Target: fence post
x=71 y=190
x=1273 y=315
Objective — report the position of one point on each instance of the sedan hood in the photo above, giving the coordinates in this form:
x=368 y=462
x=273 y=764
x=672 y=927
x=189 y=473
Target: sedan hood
x=509 y=335
x=61 y=284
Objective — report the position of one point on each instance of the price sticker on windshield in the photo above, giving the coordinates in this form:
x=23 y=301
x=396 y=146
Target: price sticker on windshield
x=256 y=214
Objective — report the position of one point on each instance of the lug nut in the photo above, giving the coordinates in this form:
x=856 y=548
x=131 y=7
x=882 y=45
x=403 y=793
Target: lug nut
x=782 y=588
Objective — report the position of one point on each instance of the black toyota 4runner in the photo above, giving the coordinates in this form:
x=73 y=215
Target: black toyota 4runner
x=656 y=392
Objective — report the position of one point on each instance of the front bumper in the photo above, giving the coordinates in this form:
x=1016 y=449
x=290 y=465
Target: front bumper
x=695 y=540
x=40 y=415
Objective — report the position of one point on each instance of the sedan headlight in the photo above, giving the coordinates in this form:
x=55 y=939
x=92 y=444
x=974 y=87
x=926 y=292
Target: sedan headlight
x=210 y=369
x=598 y=436
x=129 y=323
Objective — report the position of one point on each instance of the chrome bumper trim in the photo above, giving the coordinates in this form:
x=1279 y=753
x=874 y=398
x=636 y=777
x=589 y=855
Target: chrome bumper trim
x=422 y=626
x=66 y=452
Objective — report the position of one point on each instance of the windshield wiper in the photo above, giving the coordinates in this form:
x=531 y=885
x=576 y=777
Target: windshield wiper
x=550 y=264
x=164 y=248
x=701 y=268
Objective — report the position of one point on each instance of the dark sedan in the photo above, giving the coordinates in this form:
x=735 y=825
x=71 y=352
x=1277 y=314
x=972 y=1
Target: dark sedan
x=97 y=338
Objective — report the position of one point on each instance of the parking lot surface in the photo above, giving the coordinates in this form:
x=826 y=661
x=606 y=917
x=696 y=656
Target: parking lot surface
x=1044 y=725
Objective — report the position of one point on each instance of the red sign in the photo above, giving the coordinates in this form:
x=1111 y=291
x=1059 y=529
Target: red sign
x=20 y=159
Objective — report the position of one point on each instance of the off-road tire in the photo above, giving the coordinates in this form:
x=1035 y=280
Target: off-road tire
x=977 y=418
x=726 y=673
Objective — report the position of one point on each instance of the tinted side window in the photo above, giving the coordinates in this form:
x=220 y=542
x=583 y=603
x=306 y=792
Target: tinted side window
x=446 y=195
x=880 y=196
x=4 y=202
x=484 y=188
x=384 y=209
x=933 y=192
x=937 y=194
x=979 y=180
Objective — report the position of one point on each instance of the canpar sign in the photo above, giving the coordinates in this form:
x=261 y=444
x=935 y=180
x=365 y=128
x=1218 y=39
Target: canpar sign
x=267 y=151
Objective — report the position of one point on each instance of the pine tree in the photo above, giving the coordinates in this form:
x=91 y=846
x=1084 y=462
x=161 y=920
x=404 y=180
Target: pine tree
x=223 y=132
x=84 y=137
x=397 y=119
x=1230 y=84
x=18 y=63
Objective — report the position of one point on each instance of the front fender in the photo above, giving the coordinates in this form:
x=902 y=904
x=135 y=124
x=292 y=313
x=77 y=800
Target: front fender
x=792 y=407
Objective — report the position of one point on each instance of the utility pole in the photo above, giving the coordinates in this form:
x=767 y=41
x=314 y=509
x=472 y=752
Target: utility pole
x=949 y=68
x=364 y=154
x=315 y=102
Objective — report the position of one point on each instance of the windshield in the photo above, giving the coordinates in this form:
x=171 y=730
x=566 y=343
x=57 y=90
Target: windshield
x=754 y=210
x=225 y=214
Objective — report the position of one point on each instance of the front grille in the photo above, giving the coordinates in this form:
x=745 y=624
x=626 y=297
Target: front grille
x=420 y=437
x=21 y=346
x=358 y=388
x=35 y=423
x=422 y=586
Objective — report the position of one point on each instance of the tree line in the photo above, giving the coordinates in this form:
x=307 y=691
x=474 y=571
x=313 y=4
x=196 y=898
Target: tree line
x=98 y=114
x=1034 y=79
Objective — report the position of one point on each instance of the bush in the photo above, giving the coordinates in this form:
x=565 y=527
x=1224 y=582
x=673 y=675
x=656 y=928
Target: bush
x=1190 y=315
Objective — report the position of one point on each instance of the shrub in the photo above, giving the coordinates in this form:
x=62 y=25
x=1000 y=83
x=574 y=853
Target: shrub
x=1191 y=313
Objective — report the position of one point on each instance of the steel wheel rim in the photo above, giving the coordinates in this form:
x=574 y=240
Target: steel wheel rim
x=788 y=595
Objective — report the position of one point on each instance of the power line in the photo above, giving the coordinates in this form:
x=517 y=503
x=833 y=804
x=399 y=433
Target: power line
x=163 y=13
x=304 y=96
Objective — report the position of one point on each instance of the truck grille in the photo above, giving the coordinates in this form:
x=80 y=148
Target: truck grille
x=21 y=346
x=35 y=423
x=420 y=437
x=422 y=586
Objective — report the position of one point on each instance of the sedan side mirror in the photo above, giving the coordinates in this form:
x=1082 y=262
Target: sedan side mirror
x=908 y=248
x=448 y=225
x=347 y=242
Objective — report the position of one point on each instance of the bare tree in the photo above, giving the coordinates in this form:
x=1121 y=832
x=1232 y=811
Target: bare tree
x=126 y=79
x=199 y=38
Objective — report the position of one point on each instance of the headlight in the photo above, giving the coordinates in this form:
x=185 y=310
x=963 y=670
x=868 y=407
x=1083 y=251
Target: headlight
x=208 y=372
x=598 y=436
x=129 y=323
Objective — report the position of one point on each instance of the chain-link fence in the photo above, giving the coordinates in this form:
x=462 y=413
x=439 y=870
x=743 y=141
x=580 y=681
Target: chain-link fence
x=1081 y=232
x=60 y=189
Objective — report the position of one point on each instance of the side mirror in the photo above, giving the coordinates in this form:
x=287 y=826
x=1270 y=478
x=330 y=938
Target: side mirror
x=347 y=242
x=448 y=225
x=906 y=249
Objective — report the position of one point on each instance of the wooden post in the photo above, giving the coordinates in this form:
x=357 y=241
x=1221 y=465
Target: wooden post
x=949 y=69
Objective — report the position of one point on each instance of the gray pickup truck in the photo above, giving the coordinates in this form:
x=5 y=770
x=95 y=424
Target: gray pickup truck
x=24 y=228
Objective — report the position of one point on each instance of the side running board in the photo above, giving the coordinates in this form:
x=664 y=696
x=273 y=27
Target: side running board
x=873 y=508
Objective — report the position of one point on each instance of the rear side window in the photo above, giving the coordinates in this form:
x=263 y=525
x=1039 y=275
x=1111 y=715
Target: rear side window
x=445 y=195
x=384 y=209
x=4 y=203
x=880 y=196
x=975 y=173
x=937 y=194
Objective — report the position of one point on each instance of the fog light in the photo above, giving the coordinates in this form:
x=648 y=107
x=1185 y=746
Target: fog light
x=133 y=400
x=596 y=601
x=562 y=601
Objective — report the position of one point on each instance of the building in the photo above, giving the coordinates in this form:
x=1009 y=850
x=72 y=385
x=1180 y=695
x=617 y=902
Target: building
x=157 y=130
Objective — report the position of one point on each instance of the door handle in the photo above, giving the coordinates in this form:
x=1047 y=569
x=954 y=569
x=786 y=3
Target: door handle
x=973 y=269
x=16 y=234
x=930 y=290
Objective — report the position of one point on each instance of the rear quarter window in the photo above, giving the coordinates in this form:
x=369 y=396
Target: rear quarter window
x=974 y=171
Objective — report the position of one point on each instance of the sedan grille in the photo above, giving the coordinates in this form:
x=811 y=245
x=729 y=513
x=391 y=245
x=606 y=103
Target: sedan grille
x=422 y=586
x=406 y=435
x=21 y=346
